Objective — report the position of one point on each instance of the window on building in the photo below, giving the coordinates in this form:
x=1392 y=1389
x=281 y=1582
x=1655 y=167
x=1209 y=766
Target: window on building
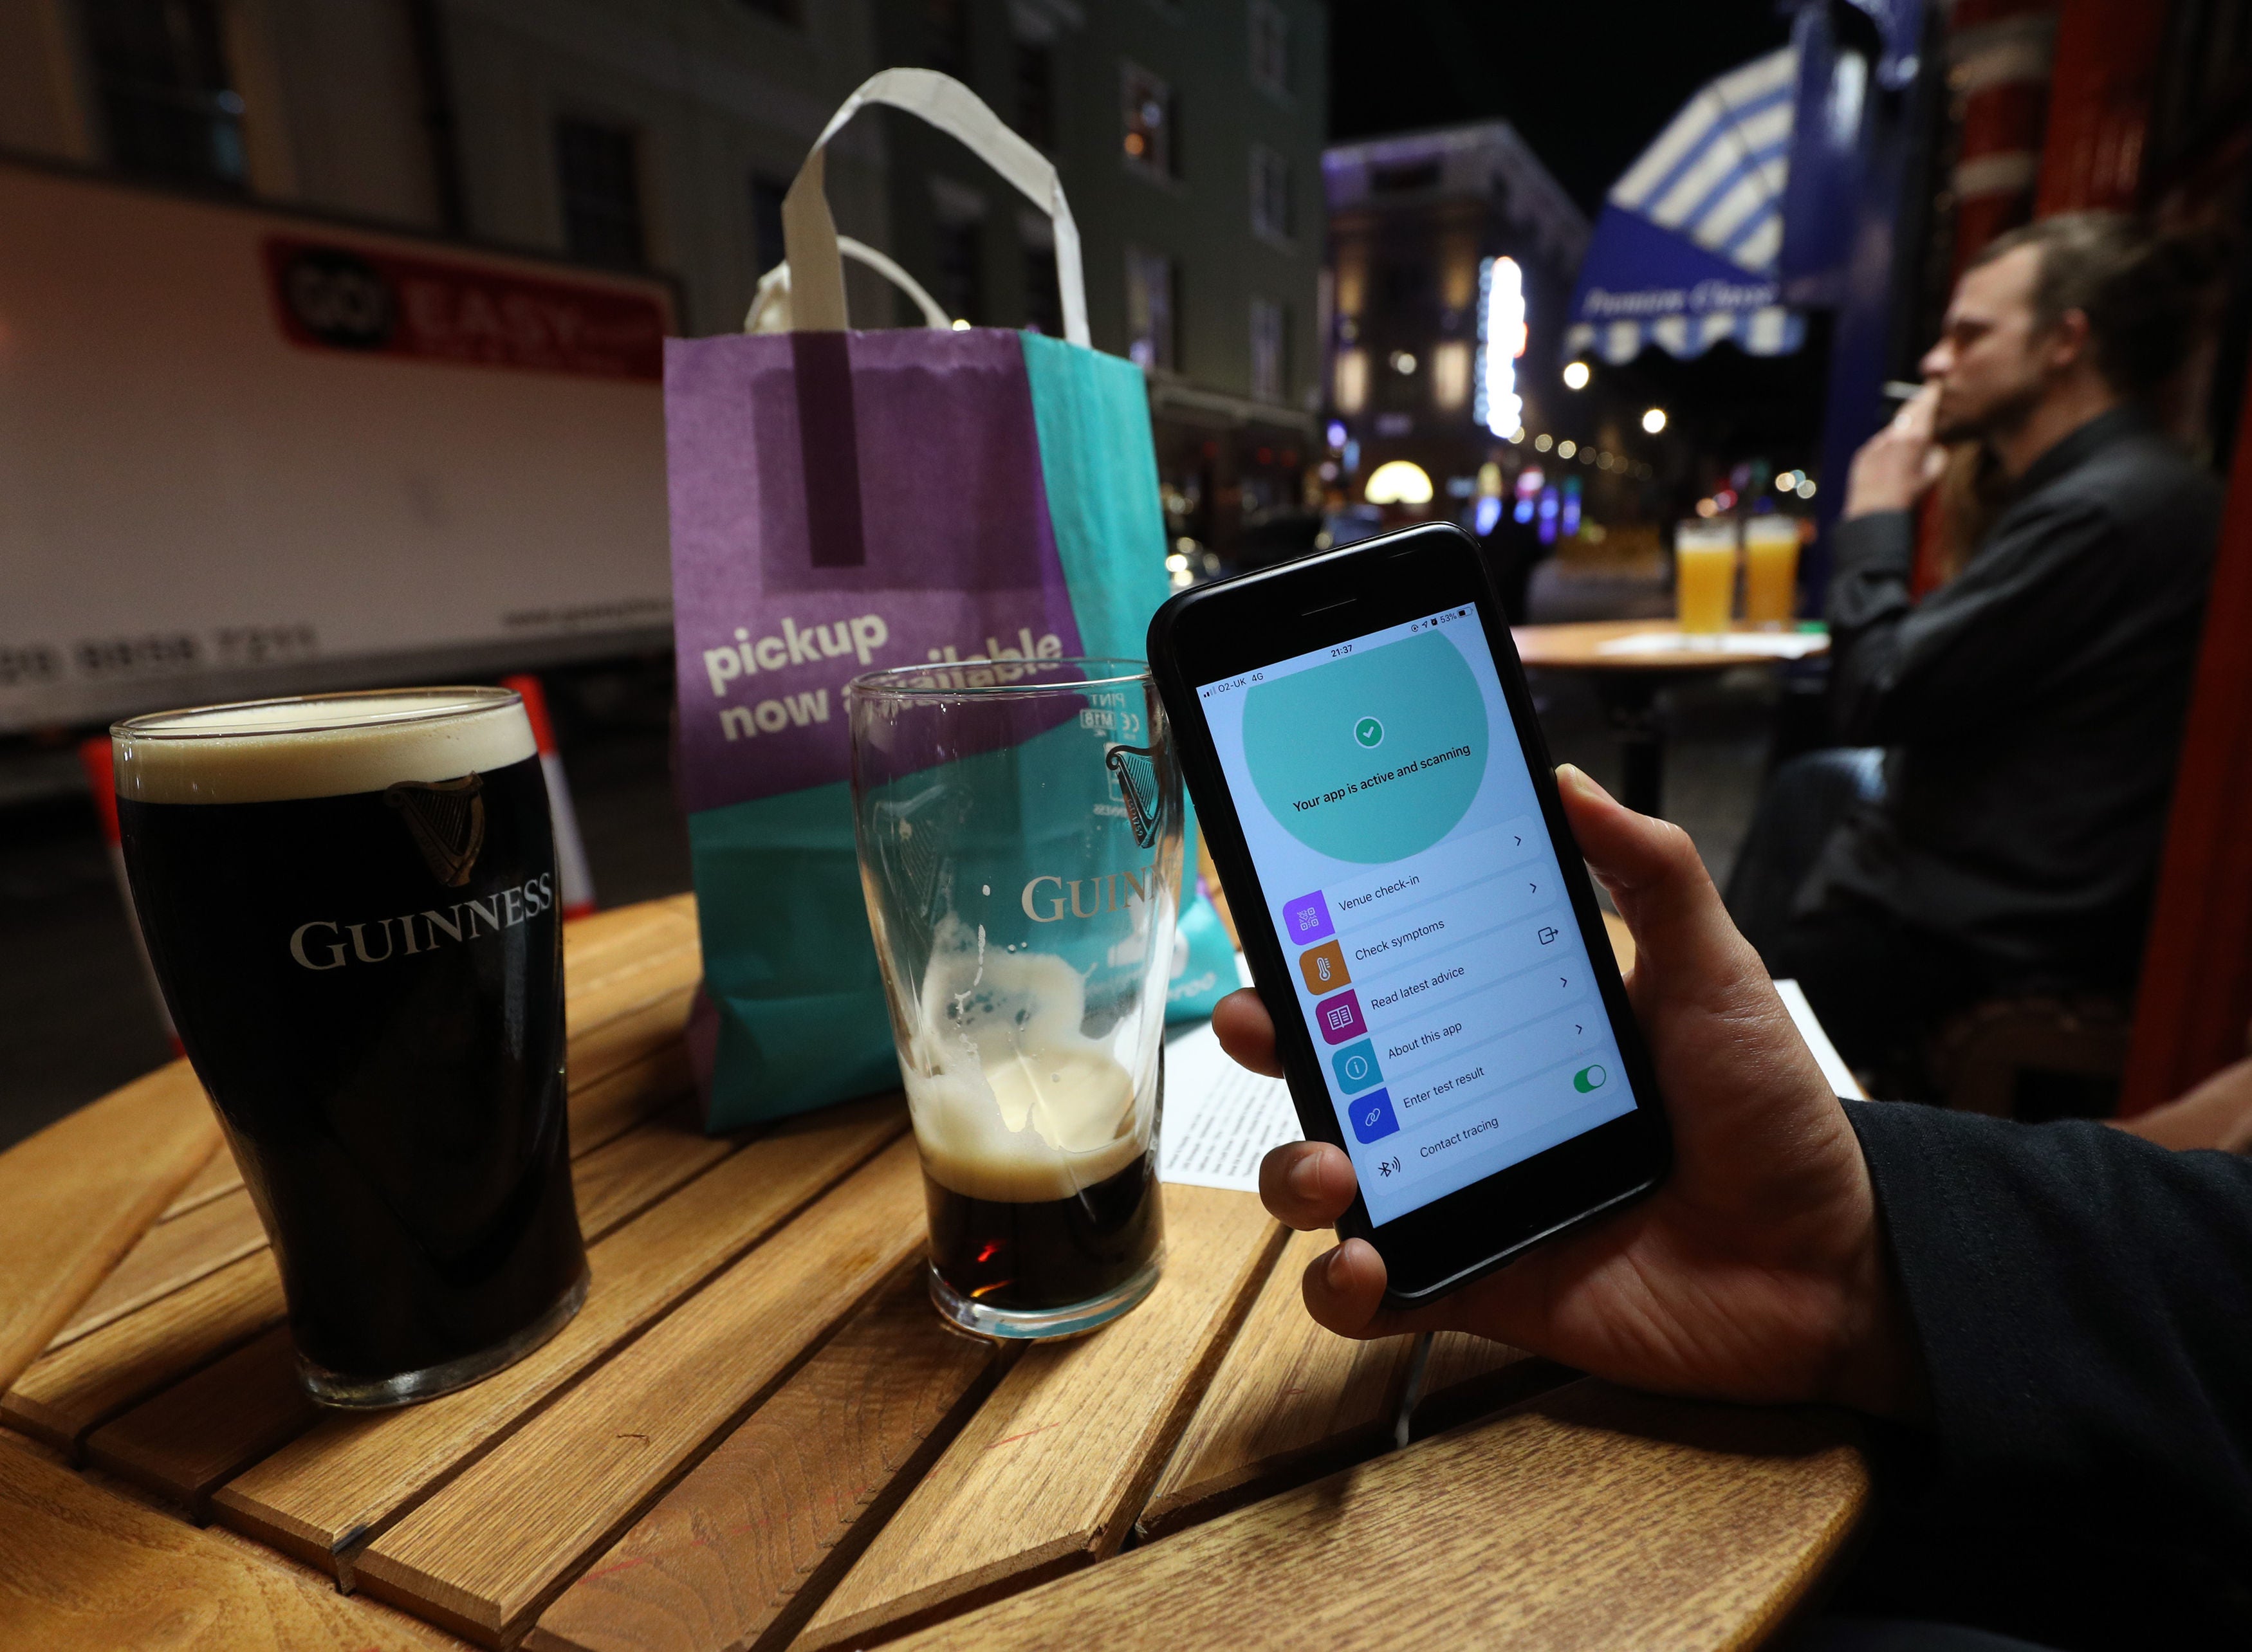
x=789 y=12
x=1270 y=194
x=1036 y=100
x=1151 y=304
x=1043 y=298
x=599 y=170
x=946 y=37
x=160 y=74
x=1270 y=48
x=1351 y=388
x=1152 y=121
x=767 y=246
x=1271 y=351
x=1450 y=375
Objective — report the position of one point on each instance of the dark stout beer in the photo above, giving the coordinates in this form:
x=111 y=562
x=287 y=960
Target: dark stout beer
x=1038 y=1255
x=351 y=906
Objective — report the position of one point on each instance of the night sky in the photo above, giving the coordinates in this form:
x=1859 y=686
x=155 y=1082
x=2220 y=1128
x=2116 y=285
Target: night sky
x=1587 y=84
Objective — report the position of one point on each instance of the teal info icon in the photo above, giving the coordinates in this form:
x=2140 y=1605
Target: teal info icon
x=1356 y=1066
x=1371 y=758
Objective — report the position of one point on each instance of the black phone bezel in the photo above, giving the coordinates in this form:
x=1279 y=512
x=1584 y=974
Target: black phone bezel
x=1232 y=627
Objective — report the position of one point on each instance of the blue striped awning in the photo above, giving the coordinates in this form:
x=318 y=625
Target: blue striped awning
x=1683 y=255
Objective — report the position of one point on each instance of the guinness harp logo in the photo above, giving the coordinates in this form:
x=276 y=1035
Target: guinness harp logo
x=446 y=820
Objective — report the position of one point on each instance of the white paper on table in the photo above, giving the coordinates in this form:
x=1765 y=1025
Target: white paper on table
x=1220 y=1120
x=1842 y=1081
x=1784 y=645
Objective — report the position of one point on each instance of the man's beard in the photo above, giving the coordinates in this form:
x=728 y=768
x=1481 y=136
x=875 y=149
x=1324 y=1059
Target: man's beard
x=1999 y=418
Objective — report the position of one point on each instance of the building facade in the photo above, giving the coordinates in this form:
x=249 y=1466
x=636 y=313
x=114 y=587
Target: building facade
x=1452 y=254
x=1187 y=133
x=630 y=136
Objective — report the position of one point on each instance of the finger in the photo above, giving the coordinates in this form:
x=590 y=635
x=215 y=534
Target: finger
x=1306 y=1185
x=1247 y=1032
x=1343 y=1292
x=1684 y=940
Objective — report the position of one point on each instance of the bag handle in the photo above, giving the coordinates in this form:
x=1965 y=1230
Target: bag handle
x=770 y=311
x=809 y=233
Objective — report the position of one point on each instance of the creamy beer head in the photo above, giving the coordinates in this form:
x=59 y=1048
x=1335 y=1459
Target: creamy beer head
x=1011 y=1101
x=320 y=745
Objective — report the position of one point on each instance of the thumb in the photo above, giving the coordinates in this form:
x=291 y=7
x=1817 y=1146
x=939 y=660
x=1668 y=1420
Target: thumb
x=1684 y=940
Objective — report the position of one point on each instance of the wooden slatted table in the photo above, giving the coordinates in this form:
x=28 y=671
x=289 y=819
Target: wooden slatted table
x=757 y=1433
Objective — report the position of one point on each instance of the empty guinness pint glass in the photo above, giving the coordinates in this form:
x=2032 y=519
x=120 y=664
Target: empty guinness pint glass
x=350 y=903
x=1019 y=830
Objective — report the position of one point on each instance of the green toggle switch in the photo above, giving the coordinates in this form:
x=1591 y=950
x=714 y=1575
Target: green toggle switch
x=1588 y=1079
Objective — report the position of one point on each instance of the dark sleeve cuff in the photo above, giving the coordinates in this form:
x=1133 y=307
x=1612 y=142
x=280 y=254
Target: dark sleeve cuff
x=1881 y=542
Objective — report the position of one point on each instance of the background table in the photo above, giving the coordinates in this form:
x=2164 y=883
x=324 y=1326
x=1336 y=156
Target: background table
x=758 y=1434
x=1627 y=683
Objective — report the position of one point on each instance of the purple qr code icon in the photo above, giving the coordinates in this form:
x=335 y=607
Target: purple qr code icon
x=1306 y=918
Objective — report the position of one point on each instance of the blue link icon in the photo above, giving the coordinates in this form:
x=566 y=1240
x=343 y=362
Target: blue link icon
x=1356 y=1066
x=1371 y=1115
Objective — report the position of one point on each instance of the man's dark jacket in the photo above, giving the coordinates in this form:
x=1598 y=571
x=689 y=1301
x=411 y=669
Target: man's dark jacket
x=2031 y=709
x=2082 y=1303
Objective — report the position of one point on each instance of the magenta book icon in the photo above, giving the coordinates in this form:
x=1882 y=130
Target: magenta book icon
x=1339 y=1018
x=1306 y=918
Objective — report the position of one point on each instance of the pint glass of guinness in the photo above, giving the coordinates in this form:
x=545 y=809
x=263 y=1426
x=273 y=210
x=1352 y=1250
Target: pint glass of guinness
x=1019 y=831
x=350 y=903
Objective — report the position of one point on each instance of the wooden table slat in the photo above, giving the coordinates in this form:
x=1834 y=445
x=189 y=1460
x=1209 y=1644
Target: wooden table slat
x=85 y=1382
x=189 y=1438
x=1050 y=1473
x=755 y=1535
x=220 y=1177
x=169 y=1255
x=1592 y=1517
x=78 y=1195
x=350 y=1475
x=483 y=1555
x=1290 y=1401
x=1466 y=1376
x=82 y=1568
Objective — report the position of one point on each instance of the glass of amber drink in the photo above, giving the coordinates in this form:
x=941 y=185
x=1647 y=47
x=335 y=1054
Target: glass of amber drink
x=1770 y=571
x=1704 y=576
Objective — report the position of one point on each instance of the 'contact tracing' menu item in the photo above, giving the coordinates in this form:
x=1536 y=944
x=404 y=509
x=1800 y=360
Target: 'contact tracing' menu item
x=1432 y=947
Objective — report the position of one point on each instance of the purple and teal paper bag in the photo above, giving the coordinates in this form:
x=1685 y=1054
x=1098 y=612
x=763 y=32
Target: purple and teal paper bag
x=843 y=500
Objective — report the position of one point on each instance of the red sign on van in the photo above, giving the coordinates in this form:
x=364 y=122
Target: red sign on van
x=381 y=303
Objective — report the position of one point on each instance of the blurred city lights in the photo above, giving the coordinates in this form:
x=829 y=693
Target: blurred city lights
x=1707 y=508
x=1542 y=443
x=1575 y=375
x=1654 y=420
x=960 y=325
x=1489 y=515
x=1565 y=449
x=1806 y=490
x=1517 y=435
x=1337 y=432
x=1787 y=481
x=1725 y=500
x=1501 y=340
x=1399 y=482
x=1403 y=362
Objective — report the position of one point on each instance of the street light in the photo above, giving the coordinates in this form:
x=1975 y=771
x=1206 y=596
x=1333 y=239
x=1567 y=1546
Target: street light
x=1575 y=375
x=1654 y=420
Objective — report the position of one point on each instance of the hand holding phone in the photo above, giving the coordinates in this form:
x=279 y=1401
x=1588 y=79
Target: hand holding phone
x=1756 y=1273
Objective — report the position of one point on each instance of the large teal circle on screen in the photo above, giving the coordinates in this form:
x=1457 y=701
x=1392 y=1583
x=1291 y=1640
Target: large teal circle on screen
x=1308 y=742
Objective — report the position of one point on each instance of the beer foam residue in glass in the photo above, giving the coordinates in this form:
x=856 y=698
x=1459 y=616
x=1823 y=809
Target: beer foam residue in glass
x=1011 y=1101
x=270 y=751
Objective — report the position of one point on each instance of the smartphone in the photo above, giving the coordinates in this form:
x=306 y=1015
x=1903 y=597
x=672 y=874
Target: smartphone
x=1356 y=732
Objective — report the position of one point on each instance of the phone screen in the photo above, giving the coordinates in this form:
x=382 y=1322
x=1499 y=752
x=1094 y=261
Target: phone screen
x=1389 y=810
